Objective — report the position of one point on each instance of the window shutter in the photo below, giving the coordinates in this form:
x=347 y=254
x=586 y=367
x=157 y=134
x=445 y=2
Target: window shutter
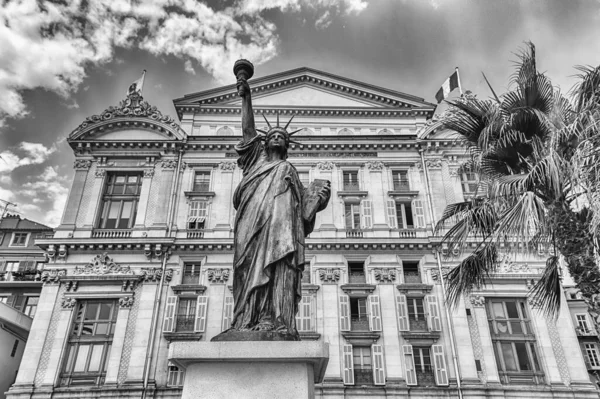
x=201 y=308
x=344 y=313
x=202 y=210
x=348 y=365
x=169 y=323
x=419 y=213
x=409 y=361
x=193 y=212
x=303 y=317
x=433 y=314
x=375 y=313
x=402 y=312
x=2 y=265
x=227 y=313
x=439 y=363
x=378 y=365
x=366 y=214
x=391 y=214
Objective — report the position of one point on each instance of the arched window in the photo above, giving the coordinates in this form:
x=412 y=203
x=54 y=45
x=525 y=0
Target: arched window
x=225 y=131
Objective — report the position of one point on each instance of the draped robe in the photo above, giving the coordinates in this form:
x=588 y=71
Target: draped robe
x=269 y=241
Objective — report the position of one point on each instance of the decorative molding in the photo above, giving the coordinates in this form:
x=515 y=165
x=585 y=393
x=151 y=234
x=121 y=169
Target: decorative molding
x=433 y=163
x=477 y=301
x=453 y=172
x=148 y=172
x=71 y=285
x=329 y=275
x=435 y=274
x=385 y=275
x=325 y=165
x=53 y=275
x=62 y=252
x=154 y=274
x=169 y=164
x=126 y=302
x=220 y=275
x=227 y=166
x=133 y=106
x=101 y=265
x=82 y=164
x=100 y=172
x=68 y=303
x=375 y=165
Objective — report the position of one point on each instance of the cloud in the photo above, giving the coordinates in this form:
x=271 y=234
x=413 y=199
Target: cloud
x=31 y=154
x=324 y=21
x=50 y=191
x=189 y=68
x=62 y=39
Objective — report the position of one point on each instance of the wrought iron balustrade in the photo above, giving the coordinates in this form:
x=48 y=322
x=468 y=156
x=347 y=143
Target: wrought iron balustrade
x=185 y=323
x=363 y=376
x=359 y=324
x=418 y=325
x=111 y=233
x=357 y=278
x=351 y=186
x=354 y=233
x=26 y=275
x=412 y=278
x=401 y=186
x=425 y=378
x=201 y=187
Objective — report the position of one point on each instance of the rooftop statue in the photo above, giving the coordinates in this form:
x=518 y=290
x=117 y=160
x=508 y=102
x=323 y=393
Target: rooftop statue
x=275 y=213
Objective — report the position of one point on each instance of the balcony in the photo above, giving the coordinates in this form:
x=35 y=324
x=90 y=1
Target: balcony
x=195 y=234
x=363 y=376
x=25 y=275
x=412 y=278
x=111 y=233
x=418 y=325
x=351 y=186
x=585 y=332
x=356 y=278
x=354 y=233
x=185 y=323
x=359 y=324
x=184 y=329
x=401 y=185
x=425 y=378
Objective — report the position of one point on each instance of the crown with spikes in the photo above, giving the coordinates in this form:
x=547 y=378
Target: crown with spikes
x=264 y=135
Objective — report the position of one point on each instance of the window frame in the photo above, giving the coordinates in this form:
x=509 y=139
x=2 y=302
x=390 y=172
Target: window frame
x=177 y=375
x=401 y=184
x=352 y=184
x=205 y=184
x=14 y=236
x=352 y=216
x=586 y=328
x=68 y=375
x=189 y=314
x=197 y=222
x=592 y=347
x=469 y=180
x=109 y=197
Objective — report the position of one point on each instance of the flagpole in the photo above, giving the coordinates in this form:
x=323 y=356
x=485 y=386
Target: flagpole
x=458 y=78
x=144 y=77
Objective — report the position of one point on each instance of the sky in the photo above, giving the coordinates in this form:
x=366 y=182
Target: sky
x=61 y=61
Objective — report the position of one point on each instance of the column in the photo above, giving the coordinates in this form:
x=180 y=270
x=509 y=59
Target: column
x=164 y=192
x=325 y=220
x=116 y=351
x=374 y=184
x=37 y=335
x=214 y=315
x=60 y=337
x=489 y=359
x=140 y=219
x=74 y=199
x=222 y=207
x=464 y=345
x=393 y=353
x=544 y=344
x=328 y=296
x=95 y=198
x=143 y=326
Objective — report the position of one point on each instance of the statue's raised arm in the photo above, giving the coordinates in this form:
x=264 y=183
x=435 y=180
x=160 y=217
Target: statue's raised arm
x=243 y=71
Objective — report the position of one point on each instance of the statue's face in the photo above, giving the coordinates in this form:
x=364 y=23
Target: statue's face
x=276 y=141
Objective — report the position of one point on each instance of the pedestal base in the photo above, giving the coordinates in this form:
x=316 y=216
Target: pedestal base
x=280 y=369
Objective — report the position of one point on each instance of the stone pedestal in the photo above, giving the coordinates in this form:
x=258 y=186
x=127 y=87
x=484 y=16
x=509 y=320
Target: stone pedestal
x=257 y=369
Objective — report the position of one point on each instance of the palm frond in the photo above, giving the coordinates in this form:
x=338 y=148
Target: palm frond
x=471 y=273
x=586 y=92
x=546 y=292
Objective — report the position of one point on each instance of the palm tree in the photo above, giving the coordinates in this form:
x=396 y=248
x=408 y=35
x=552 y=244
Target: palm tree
x=536 y=154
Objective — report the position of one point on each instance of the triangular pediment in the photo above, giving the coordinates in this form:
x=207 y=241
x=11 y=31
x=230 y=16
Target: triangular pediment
x=306 y=88
x=306 y=94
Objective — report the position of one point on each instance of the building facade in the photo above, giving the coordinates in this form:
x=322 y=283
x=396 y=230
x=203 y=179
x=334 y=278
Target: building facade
x=143 y=255
x=21 y=264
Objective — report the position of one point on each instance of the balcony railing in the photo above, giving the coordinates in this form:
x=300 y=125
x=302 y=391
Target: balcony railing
x=425 y=378
x=104 y=233
x=359 y=324
x=306 y=277
x=401 y=186
x=185 y=323
x=350 y=186
x=201 y=187
x=191 y=279
x=27 y=275
x=418 y=325
x=585 y=332
x=363 y=376
x=357 y=278
x=195 y=234
x=354 y=233
x=412 y=278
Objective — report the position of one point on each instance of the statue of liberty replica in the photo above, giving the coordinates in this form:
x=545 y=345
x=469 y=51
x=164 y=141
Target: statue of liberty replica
x=275 y=213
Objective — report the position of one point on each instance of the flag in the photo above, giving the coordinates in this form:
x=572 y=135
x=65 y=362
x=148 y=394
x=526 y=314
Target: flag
x=137 y=86
x=450 y=84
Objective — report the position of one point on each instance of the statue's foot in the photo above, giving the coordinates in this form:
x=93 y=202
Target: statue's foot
x=265 y=326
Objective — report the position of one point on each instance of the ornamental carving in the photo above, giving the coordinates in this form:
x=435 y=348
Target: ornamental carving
x=375 y=165
x=100 y=172
x=133 y=106
x=477 y=301
x=329 y=275
x=126 y=302
x=325 y=165
x=385 y=275
x=68 y=303
x=220 y=275
x=53 y=275
x=433 y=163
x=227 y=166
x=435 y=274
x=62 y=252
x=170 y=164
x=102 y=264
x=82 y=164
x=71 y=286
x=507 y=266
x=453 y=172
x=148 y=172
x=154 y=274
